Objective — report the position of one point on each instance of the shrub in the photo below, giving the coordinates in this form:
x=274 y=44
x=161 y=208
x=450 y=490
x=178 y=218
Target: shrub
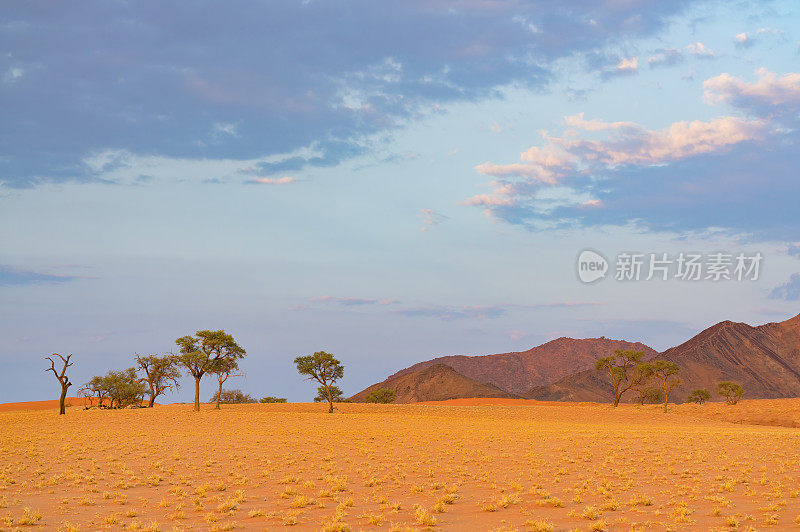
x=381 y=395
x=270 y=399
x=233 y=397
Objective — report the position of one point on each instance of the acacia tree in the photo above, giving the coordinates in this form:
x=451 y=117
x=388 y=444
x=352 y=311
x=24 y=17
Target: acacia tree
x=381 y=395
x=201 y=353
x=97 y=387
x=323 y=394
x=160 y=373
x=124 y=387
x=620 y=366
x=731 y=391
x=323 y=368
x=63 y=380
x=699 y=396
x=223 y=369
x=665 y=371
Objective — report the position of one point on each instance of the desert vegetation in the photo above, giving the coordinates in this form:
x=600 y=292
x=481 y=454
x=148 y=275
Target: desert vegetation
x=545 y=466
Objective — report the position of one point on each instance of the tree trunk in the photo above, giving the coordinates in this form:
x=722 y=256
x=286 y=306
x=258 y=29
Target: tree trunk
x=666 y=400
x=330 y=399
x=152 y=396
x=219 y=396
x=61 y=409
x=197 y=394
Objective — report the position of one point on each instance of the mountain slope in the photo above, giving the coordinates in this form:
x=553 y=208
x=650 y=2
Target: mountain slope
x=545 y=364
x=434 y=383
x=765 y=360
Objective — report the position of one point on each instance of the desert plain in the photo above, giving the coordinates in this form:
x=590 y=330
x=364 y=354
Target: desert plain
x=484 y=464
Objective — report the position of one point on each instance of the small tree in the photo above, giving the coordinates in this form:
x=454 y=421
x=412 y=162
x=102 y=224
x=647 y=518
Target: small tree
x=731 y=391
x=223 y=369
x=664 y=372
x=326 y=394
x=97 y=387
x=200 y=354
x=161 y=374
x=323 y=368
x=124 y=388
x=381 y=395
x=63 y=380
x=232 y=397
x=699 y=396
x=619 y=366
x=649 y=395
x=270 y=399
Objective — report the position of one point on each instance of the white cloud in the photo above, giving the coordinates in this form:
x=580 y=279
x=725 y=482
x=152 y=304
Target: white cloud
x=700 y=50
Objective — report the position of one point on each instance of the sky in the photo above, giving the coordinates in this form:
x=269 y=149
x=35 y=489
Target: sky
x=387 y=182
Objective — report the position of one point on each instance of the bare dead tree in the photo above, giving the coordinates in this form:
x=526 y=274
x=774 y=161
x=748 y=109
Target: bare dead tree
x=63 y=380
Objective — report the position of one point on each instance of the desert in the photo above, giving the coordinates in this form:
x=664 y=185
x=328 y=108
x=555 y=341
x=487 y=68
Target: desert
x=477 y=464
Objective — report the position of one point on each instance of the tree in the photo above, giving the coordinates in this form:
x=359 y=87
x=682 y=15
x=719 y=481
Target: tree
x=161 y=374
x=200 y=354
x=223 y=369
x=97 y=387
x=122 y=388
x=650 y=395
x=731 y=391
x=381 y=395
x=325 y=394
x=323 y=368
x=232 y=397
x=699 y=396
x=619 y=366
x=63 y=380
x=664 y=371
x=270 y=399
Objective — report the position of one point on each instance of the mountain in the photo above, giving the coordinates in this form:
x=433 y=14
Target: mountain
x=433 y=383
x=518 y=372
x=765 y=360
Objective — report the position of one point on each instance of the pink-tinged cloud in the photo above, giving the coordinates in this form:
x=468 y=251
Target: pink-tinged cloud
x=578 y=122
x=770 y=89
x=352 y=301
x=431 y=218
x=701 y=50
x=627 y=143
x=275 y=180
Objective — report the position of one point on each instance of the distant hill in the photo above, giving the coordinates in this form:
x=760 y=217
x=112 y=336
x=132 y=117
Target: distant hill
x=518 y=372
x=765 y=360
x=433 y=383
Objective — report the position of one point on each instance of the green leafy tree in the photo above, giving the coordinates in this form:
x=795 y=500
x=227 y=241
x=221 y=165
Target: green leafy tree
x=61 y=375
x=122 y=388
x=699 y=396
x=381 y=395
x=621 y=366
x=161 y=373
x=323 y=368
x=201 y=353
x=665 y=373
x=326 y=394
x=232 y=397
x=223 y=369
x=270 y=399
x=731 y=391
x=649 y=395
x=96 y=387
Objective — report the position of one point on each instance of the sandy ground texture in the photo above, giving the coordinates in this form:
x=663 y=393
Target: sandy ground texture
x=498 y=466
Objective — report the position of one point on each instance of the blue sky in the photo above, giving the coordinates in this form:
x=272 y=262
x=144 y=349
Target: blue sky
x=387 y=183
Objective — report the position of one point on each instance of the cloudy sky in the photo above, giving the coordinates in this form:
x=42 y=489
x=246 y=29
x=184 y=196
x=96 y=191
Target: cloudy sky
x=385 y=182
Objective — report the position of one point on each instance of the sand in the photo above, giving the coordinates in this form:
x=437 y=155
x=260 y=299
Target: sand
x=462 y=466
